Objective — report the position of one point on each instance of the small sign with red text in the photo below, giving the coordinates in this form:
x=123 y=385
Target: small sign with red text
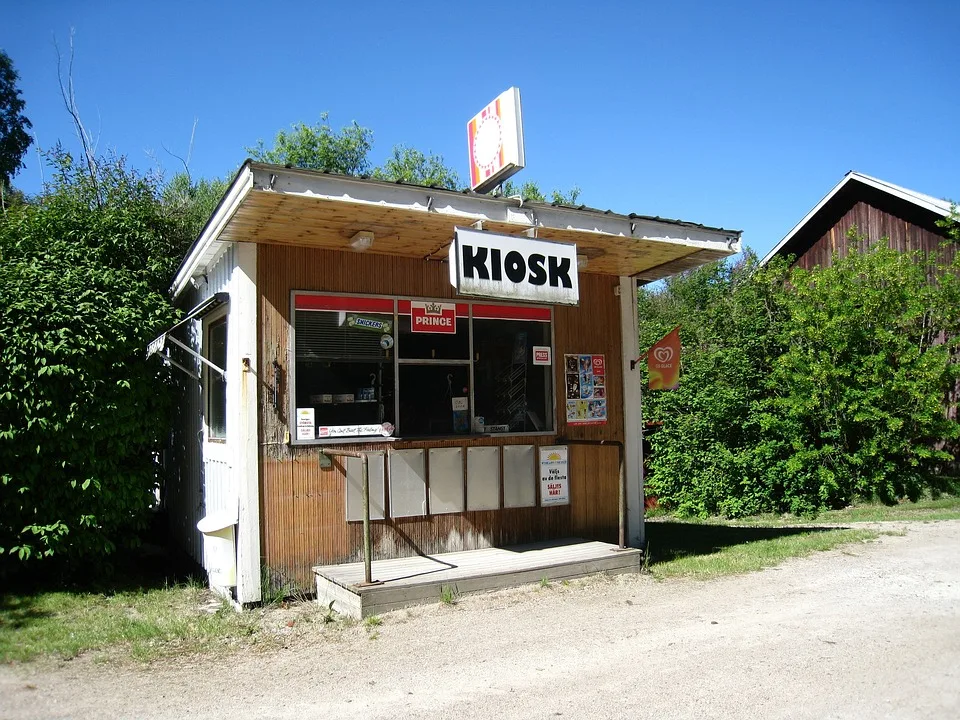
x=541 y=355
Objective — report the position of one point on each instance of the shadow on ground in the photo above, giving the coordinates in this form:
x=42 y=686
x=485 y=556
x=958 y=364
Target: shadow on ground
x=149 y=565
x=669 y=540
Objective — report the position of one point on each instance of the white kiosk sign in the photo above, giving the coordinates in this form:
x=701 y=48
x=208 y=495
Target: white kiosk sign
x=503 y=266
x=554 y=479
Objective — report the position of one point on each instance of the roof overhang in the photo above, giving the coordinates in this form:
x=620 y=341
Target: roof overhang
x=941 y=208
x=279 y=205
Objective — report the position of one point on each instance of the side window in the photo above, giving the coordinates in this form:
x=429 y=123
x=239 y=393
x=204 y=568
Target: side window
x=216 y=352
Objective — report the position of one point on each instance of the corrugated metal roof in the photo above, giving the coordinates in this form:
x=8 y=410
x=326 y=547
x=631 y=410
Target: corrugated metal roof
x=532 y=203
x=680 y=243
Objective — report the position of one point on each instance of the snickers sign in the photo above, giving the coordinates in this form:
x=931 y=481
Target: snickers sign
x=428 y=317
x=513 y=268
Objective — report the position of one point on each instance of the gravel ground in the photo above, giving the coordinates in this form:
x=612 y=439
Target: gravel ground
x=870 y=630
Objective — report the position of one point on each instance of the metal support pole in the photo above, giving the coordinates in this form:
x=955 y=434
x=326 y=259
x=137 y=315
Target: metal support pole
x=623 y=503
x=365 y=481
x=367 y=571
x=643 y=492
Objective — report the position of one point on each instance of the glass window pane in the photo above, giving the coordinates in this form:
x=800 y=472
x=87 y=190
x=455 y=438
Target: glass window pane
x=511 y=393
x=216 y=385
x=336 y=335
x=346 y=394
x=434 y=400
x=433 y=346
x=344 y=371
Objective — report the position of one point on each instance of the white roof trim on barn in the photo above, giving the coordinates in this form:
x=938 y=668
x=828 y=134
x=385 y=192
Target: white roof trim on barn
x=463 y=208
x=927 y=202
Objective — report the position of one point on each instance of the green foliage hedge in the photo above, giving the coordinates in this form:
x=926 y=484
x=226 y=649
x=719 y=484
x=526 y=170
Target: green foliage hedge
x=84 y=270
x=801 y=390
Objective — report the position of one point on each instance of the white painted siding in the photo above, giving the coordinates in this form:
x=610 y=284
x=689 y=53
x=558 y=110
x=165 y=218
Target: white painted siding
x=199 y=478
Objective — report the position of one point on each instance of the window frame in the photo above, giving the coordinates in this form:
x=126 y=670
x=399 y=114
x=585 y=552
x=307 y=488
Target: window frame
x=469 y=362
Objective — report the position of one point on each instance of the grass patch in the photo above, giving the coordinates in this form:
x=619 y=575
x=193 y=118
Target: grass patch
x=945 y=507
x=449 y=595
x=710 y=550
x=150 y=623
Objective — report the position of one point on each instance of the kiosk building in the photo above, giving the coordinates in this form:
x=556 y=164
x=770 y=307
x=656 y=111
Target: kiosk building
x=476 y=348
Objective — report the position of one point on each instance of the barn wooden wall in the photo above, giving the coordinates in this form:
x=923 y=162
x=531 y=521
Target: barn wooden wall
x=303 y=506
x=874 y=223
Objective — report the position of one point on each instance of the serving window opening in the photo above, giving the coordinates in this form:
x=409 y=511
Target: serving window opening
x=384 y=367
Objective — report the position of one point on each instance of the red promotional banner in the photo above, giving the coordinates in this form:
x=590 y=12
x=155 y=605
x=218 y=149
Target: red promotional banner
x=663 y=362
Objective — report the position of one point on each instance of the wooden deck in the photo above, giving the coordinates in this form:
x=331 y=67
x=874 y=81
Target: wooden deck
x=420 y=580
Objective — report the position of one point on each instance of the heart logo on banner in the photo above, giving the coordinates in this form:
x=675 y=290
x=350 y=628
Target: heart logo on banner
x=663 y=354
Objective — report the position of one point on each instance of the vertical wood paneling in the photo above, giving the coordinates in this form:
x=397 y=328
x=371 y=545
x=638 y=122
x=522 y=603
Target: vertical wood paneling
x=592 y=328
x=303 y=506
x=875 y=224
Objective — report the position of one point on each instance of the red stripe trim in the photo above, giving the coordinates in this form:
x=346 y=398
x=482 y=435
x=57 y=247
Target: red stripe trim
x=336 y=302
x=385 y=305
x=510 y=312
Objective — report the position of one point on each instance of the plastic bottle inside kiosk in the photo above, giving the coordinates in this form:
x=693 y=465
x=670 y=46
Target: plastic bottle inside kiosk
x=219 y=547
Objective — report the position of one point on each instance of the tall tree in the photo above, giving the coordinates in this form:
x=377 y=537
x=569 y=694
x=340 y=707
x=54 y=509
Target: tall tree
x=193 y=202
x=412 y=166
x=84 y=277
x=319 y=147
x=14 y=139
x=530 y=190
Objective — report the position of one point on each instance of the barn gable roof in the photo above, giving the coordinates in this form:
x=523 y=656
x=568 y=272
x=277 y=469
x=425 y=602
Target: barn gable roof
x=859 y=186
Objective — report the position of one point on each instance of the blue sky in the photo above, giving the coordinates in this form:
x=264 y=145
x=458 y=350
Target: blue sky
x=740 y=114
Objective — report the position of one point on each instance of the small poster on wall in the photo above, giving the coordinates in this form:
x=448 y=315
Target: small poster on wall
x=305 y=423
x=586 y=389
x=554 y=479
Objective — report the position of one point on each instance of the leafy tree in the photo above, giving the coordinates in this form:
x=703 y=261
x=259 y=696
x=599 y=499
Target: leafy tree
x=802 y=390
x=857 y=395
x=14 y=139
x=84 y=273
x=952 y=224
x=530 y=190
x=319 y=147
x=412 y=166
x=193 y=202
x=708 y=455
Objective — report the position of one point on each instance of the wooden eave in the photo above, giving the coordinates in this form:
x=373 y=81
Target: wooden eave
x=277 y=205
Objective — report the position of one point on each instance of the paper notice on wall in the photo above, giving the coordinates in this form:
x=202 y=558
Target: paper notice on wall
x=586 y=389
x=554 y=478
x=306 y=421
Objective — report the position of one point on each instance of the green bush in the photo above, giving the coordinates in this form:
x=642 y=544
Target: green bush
x=83 y=270
x=802 y=390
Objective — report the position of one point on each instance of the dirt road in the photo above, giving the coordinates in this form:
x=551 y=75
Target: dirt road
x=867 y=631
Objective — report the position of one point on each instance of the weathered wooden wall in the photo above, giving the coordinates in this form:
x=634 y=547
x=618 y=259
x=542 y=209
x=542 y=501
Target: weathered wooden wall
x=905 y=232
x=303 y=507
